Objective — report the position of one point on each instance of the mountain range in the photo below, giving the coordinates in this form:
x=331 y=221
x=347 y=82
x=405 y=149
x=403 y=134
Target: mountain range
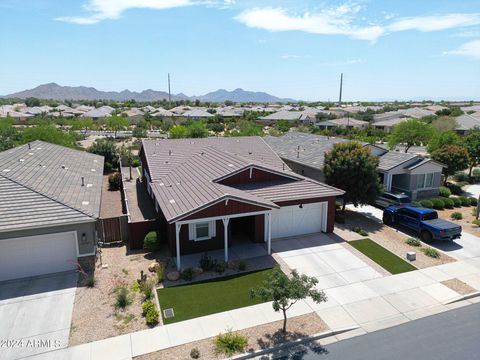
x=57 y=92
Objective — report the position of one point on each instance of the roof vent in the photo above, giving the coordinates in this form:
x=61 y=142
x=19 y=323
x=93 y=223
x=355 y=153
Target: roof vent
x=171 y=201
x=29 y=146
x=30 y=154
x=169 y=152
x=21 y=160
x=89 y=185
x=93 y=170
x=231 y=165
x=6 y=170
x=85 y=203
x=83 y=181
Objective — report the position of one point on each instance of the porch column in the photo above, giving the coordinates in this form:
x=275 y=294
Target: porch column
x=225 y=236
x=269 y=234
x=388 y=182
x=177 y=241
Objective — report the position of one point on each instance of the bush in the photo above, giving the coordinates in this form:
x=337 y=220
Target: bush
x=456 y=216
x=135 y=163
x=230 y=343
x=465 y=201
x=195 y=353
x=152 y=316
x=413 y=242
x=150 y=242
x=476 y=222
x=187 y=274
x=206 y=262
x=90 y=282
x=431 y=252
x=438 y=204
x=220 y=267
x=449 y=204
x=107 y=168
x=456 y=201
x=454 y=189
x=147 y=306
x=122 y=297
x=473 y=201
x=114 y=182
x=147 y=287
x=461 y=177
x=463 y=183
x=426 y=204
x=444 y=192
x=338 y=205
x=160 y=274
x=242 y=265
x=360 y=231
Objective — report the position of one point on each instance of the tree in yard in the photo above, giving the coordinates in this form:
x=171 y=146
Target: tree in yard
x=108 y=150
x=445 y=123
x=455 y=157
x=48 y=133
x=283 y=125
x=117 y=123
x=410 y=132
x=472 y=143
x=31 y=101
x=197 y=129
x=351 y=167
x=442 y=138
x=83 y=124
x=177 y=132
x=9 y=135
x=285 y=291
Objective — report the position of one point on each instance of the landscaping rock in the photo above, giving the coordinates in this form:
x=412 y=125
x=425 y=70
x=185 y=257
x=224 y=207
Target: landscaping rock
x=153 y=267
x=173 y=276
x=197 y=270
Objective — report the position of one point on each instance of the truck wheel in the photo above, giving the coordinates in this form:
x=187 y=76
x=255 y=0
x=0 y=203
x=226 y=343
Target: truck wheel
x=426 y=236
x=387 y=219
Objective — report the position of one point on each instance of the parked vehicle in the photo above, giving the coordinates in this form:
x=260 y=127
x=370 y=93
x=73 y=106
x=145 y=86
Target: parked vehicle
x=423 y=221
x=387 y=199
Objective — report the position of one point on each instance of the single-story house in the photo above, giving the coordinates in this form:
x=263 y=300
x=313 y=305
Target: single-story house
x=467 y=122
x=342 y=122
x=49 y=206
x=412 y=174
x=210 y=193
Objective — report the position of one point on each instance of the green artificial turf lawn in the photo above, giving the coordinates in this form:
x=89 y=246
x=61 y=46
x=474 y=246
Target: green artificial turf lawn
x=389 y=261
x=212 y=296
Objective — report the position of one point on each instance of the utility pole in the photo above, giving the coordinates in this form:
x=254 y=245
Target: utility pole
x=341 y=86
x=169 y=92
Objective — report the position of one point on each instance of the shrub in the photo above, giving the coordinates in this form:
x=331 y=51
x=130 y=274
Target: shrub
x=456 y=201
x=230 y=343
x=147 y=287
x=90 y=282
x=473 y=201
x=454 y=188
x=114 y=181
x=461 y=177
x=147 y=306
x=438 y=203
x=338 y=205
x=135 y=163
x=360 y=231
x=206 y=262
x=195 y=353
x=426 y=204
x=465 y=201
x=149 y=310
x=242 y=265
x=476 y=222
x=413 y=242
x=463 y=183
x=135 y=286
x=150 y=242
x=449 y=204
x=107 y=168
x=476 y=175
x=444 y=191
x=122 y=297
x=160 y=274
x=431 y=252
x=220 y=267
x=187 y=274
x=456 y=216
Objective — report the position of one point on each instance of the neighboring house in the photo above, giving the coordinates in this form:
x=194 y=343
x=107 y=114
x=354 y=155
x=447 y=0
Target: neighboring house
x=417 y=176
x=467 y=122
x=197 y=114
x=215 y=192
x=389 y=115
x=162 y=112
x=133 y=112
x=417 y=112
x=49 y=205
x=342 y=122
x=387 y=125
x=101 y=112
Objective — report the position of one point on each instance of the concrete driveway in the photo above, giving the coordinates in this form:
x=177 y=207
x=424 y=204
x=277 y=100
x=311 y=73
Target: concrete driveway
x=36 y=314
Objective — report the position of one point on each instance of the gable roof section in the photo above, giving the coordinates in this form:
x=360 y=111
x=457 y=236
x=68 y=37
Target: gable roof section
x=54 y=172
x=392 y=159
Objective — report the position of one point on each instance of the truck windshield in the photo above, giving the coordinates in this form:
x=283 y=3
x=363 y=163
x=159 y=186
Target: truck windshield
x=430 y=216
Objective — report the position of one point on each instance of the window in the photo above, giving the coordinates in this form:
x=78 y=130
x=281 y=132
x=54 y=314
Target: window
x=424 y=181
x=201 y=231
x=429 y=180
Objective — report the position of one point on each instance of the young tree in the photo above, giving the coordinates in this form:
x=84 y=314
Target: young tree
x=286 y=291
x=455 y=157
x=177 y=132
x=108 y=150
x=472 y=143
x=197 y=129
x=351 y=167
x=48 y=133
x=445 y=123
x=117 y=123
x=9 y=135
x=442 y=138
x=410 y=132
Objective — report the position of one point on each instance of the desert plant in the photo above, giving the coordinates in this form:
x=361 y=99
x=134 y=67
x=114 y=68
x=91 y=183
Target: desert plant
x=456 y=216
x=465 y=201
x=147 y=306
x=413 y=242
x=242 y=265
x=431 y=252
x=90 y=281
x=473 y=201
x=107 y=168
x=360 y=231
x=114 y=181
x=444 y=191
x=152 y=316
x=206 y=262
x=195 y=353
x=135 y=286
x=220 y=267
x=151 y=242
x=123 y=298
x=476 y=222
x=456 y=201
x=135 y=163
x=160 y=274
x=449 y=204
x=187 y=274
x=426 y=204
x=230 y=343
x=438 y=203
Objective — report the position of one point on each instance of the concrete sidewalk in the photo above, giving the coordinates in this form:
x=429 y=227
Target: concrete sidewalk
x=372 y=305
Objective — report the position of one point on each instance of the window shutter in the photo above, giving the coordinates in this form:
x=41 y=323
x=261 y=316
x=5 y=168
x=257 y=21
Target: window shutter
x=191 y=231
x=212 y=228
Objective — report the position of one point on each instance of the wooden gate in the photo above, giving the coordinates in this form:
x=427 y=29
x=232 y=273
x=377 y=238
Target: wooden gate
x=112 y=231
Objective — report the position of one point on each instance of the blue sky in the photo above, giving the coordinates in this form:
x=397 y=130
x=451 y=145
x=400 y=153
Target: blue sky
x=386 y=49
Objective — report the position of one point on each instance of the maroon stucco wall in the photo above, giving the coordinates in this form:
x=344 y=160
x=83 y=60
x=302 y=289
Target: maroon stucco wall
x=257 y=176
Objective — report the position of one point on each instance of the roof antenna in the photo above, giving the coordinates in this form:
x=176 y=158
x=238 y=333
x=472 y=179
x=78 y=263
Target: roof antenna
x=83 y=181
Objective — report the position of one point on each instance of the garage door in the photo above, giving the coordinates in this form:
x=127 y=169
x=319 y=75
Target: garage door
x=296 y=220
x=37 y=255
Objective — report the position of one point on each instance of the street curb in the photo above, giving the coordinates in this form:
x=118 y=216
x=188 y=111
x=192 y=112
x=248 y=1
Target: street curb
x=317 y=336
x=462 y=297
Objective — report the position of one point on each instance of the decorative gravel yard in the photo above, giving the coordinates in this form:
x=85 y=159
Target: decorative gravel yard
x=389 y=261
x=211 y=296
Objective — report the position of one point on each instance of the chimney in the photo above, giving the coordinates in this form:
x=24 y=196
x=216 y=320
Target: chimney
x=83 y=181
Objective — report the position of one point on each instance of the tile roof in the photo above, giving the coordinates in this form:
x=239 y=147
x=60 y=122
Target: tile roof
x=186 y=173
x=48 y=178
x=343 y=122
x=392 y=159
x=467 y=122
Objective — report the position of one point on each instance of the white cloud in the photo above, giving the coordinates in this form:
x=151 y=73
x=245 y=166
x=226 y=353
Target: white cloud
x=292 y=56
x=471 y=49
x=435 y=23
x=113 y=9
x=343 y=63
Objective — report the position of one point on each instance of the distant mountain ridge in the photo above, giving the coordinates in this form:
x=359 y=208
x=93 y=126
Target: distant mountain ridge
x=57 y=92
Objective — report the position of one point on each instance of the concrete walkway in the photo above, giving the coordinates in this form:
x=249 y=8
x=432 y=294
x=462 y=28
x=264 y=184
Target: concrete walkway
x=371 y=305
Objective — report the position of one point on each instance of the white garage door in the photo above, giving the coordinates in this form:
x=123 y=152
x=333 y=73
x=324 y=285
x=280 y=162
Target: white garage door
x=296 y=220
x=37 y=255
